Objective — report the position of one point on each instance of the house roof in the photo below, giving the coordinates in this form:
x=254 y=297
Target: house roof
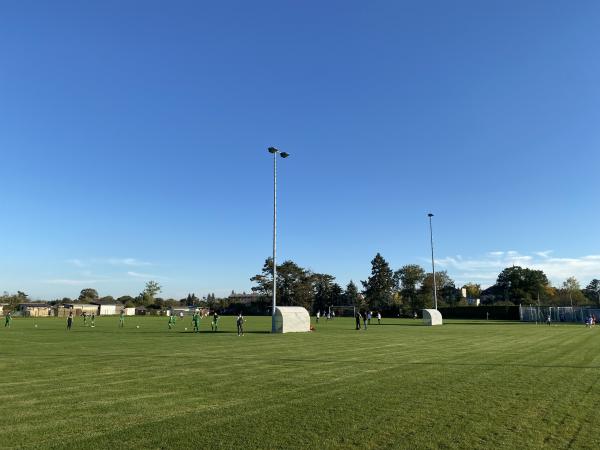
x=35 y=305
x=106 y=303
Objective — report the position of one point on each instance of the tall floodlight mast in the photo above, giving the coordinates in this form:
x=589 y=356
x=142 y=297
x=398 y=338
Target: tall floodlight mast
x=432 y=262
x=275 y=151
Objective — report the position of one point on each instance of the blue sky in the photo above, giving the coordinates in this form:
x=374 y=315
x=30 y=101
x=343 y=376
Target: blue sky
x=133 y=140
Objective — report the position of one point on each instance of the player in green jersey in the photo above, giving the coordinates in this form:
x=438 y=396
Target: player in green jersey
x=196 y=321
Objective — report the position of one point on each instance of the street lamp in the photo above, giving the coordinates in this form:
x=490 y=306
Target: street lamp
x=275 y=151
x=432 y=262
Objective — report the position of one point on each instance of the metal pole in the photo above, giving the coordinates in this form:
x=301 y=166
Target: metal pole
x=432 y=263
x=274 y=242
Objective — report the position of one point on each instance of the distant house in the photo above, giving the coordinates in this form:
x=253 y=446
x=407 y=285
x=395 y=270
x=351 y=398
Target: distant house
x=108 y=308
x=140 y=311
x=129 y=311
x=243 y=298
x=77 y=308
x=33 y=309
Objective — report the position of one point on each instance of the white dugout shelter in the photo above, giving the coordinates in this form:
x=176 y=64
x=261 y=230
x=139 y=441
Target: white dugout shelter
x=291 y=319
x=432 y=317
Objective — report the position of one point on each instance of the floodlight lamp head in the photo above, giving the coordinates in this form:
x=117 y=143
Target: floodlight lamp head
x=272 y=150
x=429 y=215
x=284 y=154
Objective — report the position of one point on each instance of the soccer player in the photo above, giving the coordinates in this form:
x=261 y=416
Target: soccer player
x=70 y=320
x=93 y=319
x=548 y=320
x=365 y=319
x=171 y=321
x=378 y=318
x=7 y=320
x=318 y=315
x=214 y=325
x=84 y=319
x=196 y=322
x=240 y=324
x=358 y=317
x=122 y=319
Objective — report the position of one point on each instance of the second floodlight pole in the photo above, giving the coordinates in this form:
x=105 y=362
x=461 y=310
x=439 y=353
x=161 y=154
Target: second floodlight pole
x=432 y=263
x=274 y=151
x=274 y=241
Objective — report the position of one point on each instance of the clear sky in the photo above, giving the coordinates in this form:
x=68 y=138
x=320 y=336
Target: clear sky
x=133 y=140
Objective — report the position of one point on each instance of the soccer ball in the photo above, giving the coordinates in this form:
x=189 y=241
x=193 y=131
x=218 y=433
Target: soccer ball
x=185 y=329
x=35 y=325
x=138 y=326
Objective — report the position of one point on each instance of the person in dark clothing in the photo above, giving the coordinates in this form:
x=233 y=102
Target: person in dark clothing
x=70 y=320
x=358 y=318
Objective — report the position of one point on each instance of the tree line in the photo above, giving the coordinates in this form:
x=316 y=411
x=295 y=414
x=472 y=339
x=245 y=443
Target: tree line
x=402 y=291
x=410 y=288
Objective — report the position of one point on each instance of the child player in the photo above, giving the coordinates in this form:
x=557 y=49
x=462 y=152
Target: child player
x=196 y=322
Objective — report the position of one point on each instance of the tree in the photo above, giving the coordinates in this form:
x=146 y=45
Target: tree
x=446 y=290
x=407 y=280
x=88 y=295
x=473 y=290
x=592 y=291
x=295 y=285
x=379 y=288
x=519 y=284
x=351 y=295
x=323 y=285
x=148 y=295
x=127 y=300
x=570 y=293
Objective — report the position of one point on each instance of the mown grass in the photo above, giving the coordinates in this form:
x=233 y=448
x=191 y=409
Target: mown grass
x=398 y=385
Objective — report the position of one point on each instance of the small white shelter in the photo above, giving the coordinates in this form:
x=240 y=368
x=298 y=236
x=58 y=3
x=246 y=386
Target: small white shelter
x=432 y=317
x=129 y=311
x=291 y=319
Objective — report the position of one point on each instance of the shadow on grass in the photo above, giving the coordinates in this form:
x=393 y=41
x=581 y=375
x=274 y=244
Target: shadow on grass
x=222 y=332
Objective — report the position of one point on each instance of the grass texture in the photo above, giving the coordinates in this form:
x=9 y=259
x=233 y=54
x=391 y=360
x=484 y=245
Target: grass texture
x=466 y=384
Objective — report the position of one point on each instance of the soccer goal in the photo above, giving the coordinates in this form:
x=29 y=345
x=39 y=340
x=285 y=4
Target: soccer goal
x=342 y=311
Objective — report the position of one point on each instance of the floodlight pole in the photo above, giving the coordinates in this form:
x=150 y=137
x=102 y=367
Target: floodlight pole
x=432 y=262
x=275 y=151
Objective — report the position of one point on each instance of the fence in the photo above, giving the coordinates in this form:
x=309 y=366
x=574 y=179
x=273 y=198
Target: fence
x=558 y=313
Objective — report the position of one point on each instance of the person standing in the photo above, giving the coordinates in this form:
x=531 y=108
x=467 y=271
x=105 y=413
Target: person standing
x=365 y=319
x=369 y=315
x=196 y=322
x=318 y=315
x=548 y=320
x=93 y=320
x=378 y=318
x=70 y=320
x=358 y=318
x=214 y=325
x=122 y=319
x=171 y=321
x=8 y=320
x=84 y=314
x=240 y=324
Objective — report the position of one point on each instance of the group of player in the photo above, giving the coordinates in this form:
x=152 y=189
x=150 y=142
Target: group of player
x=196 y=317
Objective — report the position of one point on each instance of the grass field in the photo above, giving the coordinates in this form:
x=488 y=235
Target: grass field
x=398 y=385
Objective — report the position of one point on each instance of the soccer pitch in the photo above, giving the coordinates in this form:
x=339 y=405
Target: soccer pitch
x=466 y=384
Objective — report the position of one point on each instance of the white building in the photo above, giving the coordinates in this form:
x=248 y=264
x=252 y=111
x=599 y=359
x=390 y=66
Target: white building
x=108 y=309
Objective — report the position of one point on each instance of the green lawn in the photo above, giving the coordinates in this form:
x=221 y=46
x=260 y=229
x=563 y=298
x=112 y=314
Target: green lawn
x=399 y=385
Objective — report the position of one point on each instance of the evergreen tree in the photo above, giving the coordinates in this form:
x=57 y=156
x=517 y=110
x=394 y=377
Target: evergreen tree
x=351 y=295
x=379 y=288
